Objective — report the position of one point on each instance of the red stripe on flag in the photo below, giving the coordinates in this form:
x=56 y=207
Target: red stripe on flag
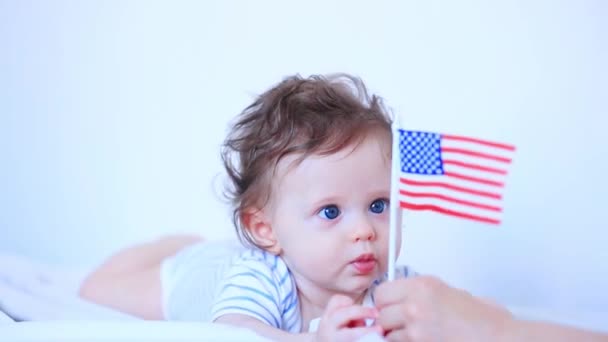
x=450 y=212
x=474 y=179
x=475 y=154
x=450 y=199
x=478 y=141
x=452 y=187
x=475 y=167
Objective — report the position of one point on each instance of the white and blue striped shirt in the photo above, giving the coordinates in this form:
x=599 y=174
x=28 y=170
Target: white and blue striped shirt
x=259 y=284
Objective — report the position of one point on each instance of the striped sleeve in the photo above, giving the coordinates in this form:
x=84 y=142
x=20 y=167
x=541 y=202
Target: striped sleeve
x=403 y=271
x=250 y=288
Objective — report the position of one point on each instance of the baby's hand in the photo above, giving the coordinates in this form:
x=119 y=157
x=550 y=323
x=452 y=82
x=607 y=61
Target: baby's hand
x=345 y=321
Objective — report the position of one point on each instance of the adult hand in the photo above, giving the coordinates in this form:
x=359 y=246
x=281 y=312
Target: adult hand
x=426 y=309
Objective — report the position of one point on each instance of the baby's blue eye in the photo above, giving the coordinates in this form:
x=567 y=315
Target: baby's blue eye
x=378 y=206
x=330 y=212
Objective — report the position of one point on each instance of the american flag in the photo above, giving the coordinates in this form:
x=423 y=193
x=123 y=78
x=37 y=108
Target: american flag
x=453 y=175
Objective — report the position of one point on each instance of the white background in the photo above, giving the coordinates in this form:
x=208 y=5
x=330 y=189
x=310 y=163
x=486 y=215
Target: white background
x=112 y=113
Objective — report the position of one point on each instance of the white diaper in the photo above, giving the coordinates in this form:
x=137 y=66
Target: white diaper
x=190 y=277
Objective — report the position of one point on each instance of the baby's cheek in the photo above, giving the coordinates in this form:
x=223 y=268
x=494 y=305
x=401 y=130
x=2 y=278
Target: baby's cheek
x=383 y=259
x=316 y=268
x=383 y=268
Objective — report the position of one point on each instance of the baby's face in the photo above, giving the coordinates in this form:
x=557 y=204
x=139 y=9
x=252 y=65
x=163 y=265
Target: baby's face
x=330 y=215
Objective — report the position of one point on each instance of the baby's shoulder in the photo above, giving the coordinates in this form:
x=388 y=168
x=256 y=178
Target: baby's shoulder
x=263 y=271
x=260 y=261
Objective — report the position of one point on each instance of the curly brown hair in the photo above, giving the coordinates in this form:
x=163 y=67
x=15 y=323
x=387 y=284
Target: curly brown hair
x=314 y=115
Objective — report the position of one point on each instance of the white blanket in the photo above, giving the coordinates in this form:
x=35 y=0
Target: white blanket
x=46 y=297
x=114 y=331
x=4 y=318
x=35 y=291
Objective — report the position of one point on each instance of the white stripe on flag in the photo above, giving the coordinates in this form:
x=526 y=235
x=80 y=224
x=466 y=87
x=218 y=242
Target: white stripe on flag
x=472 y=183
x=442 y=199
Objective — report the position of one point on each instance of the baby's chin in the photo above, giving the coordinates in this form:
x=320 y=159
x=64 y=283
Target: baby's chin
x=362 y=284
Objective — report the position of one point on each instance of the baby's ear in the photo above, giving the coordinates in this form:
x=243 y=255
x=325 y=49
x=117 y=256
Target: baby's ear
x=260 y=229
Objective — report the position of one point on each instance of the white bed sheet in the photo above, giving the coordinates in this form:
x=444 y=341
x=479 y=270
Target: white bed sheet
x=46 y=296
x=44 y=300
x=114 y=331
x=35 y=291
x=4 y=318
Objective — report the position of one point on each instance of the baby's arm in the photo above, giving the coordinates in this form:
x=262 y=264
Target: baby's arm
x=341 y=321
x=263 y=329
x=258 y=293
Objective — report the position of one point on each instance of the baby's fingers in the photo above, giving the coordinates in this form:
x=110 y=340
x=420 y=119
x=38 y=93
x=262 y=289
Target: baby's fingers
x=352 y=316
x=336 y=302
x=354 y=334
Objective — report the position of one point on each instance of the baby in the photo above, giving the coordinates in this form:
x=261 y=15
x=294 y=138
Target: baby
x=309 y=164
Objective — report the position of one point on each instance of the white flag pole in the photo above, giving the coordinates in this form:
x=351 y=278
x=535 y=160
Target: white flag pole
x=395 y=214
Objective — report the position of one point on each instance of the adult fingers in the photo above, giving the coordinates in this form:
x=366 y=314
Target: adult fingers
x=399 y=335
x=396 y=316
x=390 y=292
x=397 y=291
